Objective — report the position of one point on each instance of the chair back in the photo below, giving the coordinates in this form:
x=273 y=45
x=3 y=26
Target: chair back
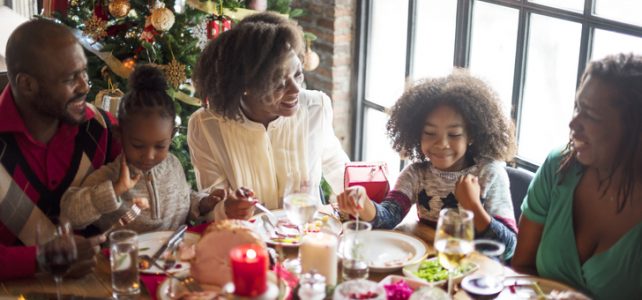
x=519 y=180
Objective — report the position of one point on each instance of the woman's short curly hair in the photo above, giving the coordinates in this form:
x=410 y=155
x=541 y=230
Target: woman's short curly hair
x=248 y=58
x=491 y=132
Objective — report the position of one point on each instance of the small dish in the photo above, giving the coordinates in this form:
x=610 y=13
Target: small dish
x=149 y=242
x=410 y=272
x=289 y=232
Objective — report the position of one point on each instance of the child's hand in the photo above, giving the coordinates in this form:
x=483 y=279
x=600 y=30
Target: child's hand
x=467 y=192
x=208 y=203
x=241 y=206
x=141 y=202
x=125 y=181
x=354 y=200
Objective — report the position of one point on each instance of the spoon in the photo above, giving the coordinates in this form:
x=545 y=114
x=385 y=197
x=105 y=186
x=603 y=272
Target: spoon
x=270 y=216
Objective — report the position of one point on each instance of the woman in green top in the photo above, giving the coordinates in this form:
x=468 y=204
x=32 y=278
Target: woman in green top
x=582 y=217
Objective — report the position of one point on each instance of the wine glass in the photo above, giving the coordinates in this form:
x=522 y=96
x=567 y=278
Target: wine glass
x=56 y=248
x=454 y=239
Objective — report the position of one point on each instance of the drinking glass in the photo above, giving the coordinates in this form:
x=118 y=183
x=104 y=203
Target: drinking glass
x=123 y=256
x=488 y=283
x=56 y=248
x=352 y=248
x=454 y=239
x=300 y=206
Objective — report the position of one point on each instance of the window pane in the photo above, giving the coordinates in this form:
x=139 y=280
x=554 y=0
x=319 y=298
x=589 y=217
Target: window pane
x=377 y=145
x=435 y=25
x=627 y=11
x=549 y=89
x=576 y=5
x=494 y=62
x=608 y=42
x=386 y=60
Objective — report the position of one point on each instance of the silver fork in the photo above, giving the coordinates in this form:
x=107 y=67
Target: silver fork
x=188 y=281
x=130 y=215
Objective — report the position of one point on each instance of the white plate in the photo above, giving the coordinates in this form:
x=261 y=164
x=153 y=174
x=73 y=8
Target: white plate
x=388 y=250
x=149 y=242
x=162 y=293
x=522 y=287
x=409 y=271
x=330 y=224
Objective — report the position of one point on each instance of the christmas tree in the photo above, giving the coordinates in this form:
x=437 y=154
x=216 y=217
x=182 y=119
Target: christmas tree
x=119 y=34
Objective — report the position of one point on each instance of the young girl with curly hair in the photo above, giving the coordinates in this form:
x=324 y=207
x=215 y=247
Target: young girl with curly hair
x=454 y=130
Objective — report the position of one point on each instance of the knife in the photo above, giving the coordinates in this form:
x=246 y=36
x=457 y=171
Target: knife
x=172 y=239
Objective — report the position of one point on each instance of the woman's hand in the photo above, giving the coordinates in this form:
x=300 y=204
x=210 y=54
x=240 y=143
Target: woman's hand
x=208 y=203
x=125 y=181
x=354 y=200
x=241 y=205
x=467 y=193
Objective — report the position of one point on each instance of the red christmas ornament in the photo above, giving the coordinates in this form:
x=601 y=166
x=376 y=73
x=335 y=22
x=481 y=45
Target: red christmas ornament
x=101 y=12
x=218 y=25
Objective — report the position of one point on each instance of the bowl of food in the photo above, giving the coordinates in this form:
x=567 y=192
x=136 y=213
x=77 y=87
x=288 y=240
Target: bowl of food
x=359 y=289
x=431 y=271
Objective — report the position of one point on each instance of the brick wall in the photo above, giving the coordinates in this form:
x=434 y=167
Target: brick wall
x=333 y=22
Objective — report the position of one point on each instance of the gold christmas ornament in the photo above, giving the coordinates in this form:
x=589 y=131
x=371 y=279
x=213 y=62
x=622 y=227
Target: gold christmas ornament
x=73 y=2
x=119 y=8
x=95 y=28
x=175 y=73
x=311 y=60
x=162 y=18
x=129 y=63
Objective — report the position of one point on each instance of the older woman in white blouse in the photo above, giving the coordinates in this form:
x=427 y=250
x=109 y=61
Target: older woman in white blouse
x=261 y=130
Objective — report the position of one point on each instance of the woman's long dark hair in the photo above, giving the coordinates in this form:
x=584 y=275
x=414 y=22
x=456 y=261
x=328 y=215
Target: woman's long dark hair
x=623 y=72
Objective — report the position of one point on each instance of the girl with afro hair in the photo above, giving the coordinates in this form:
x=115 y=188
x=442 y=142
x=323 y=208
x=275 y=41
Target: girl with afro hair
x=455 y=132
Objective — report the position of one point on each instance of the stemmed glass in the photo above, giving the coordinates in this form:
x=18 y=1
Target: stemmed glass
x=56 y=249
x=454 y=239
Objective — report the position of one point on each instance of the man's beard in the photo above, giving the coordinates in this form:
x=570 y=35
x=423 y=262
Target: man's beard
x=63 y=115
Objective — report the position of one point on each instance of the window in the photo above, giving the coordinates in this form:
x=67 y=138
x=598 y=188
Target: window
x=532 y=52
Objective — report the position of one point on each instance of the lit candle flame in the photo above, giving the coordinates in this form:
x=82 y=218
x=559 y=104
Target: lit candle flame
x=251 y=254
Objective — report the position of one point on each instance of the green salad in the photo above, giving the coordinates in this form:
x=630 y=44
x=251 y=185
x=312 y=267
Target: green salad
x=432 y=271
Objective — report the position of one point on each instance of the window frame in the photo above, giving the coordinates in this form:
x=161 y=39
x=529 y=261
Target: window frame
x=461 y=55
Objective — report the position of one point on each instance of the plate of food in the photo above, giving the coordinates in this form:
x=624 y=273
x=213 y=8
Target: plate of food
x=532 y=287
x=286 y=234
x=149 y=242
x=432 y=272
x=172 y=288
x=389 y=250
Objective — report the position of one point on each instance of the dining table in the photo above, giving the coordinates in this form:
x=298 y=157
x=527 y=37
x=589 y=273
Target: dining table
x=97 y=284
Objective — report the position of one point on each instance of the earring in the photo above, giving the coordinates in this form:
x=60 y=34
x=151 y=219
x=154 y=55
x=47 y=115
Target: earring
x=245 y=93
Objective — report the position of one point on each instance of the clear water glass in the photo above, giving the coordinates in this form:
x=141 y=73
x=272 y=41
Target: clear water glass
x=354 y=264
x=123 y=256
x=300 y=206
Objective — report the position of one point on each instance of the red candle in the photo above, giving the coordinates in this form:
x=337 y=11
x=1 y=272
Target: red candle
x=249 y=270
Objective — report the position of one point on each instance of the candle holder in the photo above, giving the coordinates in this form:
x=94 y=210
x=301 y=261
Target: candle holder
x=249 y=270
x=271 y=293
